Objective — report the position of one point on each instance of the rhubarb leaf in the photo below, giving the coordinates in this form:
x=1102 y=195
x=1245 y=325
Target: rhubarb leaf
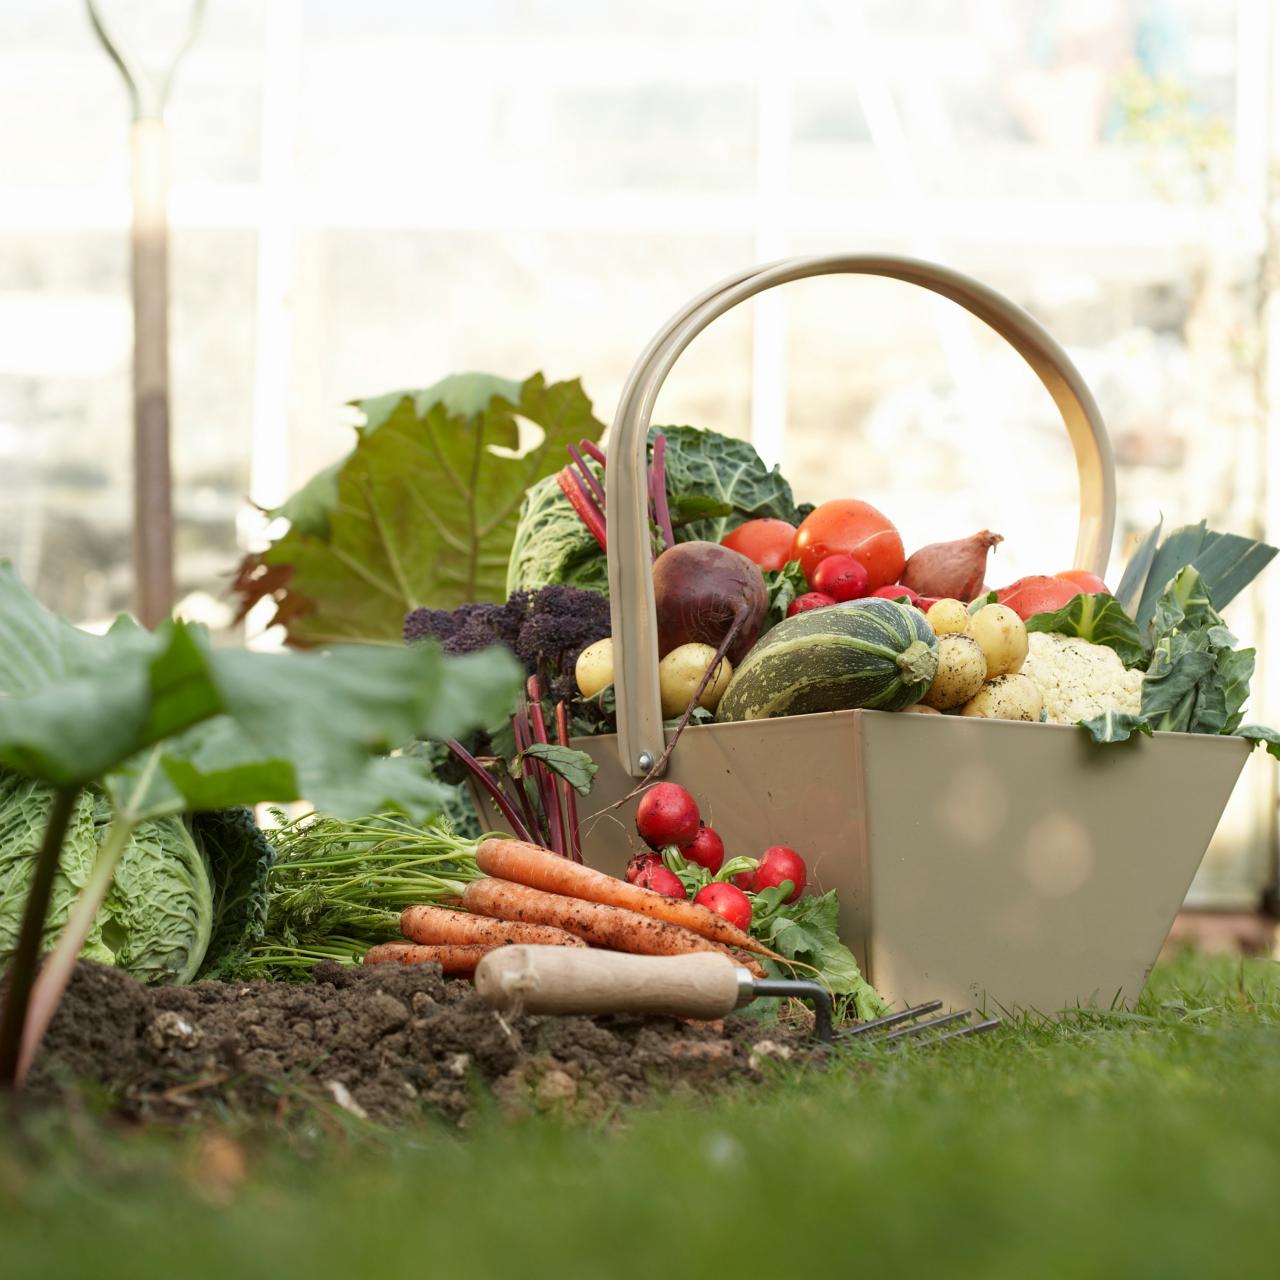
x=426 y=508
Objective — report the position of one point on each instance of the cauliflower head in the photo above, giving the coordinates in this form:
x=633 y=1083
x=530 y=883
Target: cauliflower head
x=1080 y=680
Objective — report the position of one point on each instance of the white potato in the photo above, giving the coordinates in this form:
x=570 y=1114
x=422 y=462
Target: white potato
x=921 y=710
x=680 y=672
x=1010 y=697
x=1002 y=636
x=947 y=616
x=594 y=668
x=962 y=670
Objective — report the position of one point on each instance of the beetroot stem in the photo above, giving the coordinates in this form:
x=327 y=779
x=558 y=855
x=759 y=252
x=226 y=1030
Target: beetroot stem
x=495 y=792
x=570 y=796
x=546 y=779
x=658 y=490
x=520 y=726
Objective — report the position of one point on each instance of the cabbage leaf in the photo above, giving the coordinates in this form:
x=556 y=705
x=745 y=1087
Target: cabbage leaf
x=714 y=483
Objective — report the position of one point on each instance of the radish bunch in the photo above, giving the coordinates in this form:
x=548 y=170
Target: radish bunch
x=685 y=855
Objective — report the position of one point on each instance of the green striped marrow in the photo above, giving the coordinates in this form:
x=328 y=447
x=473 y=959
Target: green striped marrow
x=865 y=653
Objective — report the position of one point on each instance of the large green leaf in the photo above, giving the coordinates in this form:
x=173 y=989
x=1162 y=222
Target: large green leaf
x=1099 y=619
x=1129 y=592
x=174 y=723
x=1261 y=735
x=309 y=509
x=427 y=508
x=1227 y=562
x=73 y=705
x=708 y=467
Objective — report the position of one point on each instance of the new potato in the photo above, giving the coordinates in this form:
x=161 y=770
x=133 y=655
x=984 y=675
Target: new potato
x=680 y=672
x=594 y=668
x=947 y=616
x=1002 y=636
x=962 y=669
x=1011 y=697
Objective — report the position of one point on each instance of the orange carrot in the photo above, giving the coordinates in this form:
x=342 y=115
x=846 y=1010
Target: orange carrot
x=541 y=869
x=597 y=923
x=458 y=960
x=440 y=925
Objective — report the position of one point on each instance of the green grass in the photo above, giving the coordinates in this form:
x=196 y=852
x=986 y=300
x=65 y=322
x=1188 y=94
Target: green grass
x=1141 y=1145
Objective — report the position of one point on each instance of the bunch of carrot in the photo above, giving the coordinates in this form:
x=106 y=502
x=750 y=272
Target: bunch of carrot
x=529 y=894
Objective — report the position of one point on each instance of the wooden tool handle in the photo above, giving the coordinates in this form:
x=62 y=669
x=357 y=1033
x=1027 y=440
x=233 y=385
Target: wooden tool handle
x=532 y=979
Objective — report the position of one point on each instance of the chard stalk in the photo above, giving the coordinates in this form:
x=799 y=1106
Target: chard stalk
x=589 y=476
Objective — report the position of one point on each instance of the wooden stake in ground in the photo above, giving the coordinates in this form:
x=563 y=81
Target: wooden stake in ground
x=146 y=42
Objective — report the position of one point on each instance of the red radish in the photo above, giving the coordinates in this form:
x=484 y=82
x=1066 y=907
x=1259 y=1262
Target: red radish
x=708 y=594
x=706 y=849
x=810 y=600
x=667 y=814
x=841 y=577
x=853 y=528
x=743 y=879
x=1037 y=594
x=951 y=570
x=638 y=863
x=777 y=864
x=1085 y=581
x=653 y=875
x=925 y=603
x=726 y=900
x=897 y=592
x=766 y=542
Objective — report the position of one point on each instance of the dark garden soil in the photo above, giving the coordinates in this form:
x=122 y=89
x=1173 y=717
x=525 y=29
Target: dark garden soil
x=388 y=1044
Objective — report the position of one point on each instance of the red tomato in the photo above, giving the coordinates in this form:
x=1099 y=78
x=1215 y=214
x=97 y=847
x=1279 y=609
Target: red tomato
x=776 y=865
x=810 y=600
x=841 y=577
x=1085 y=581
x=764 y=542
x=726 y=900
x=896 y=591
x=1037 y=594
x=847 y=526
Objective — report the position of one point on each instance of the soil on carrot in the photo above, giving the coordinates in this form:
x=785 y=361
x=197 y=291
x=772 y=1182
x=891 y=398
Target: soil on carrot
x=389 y=1044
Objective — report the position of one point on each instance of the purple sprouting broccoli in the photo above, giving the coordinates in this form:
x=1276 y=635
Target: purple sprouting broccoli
x=545 y=629
x=561 y=622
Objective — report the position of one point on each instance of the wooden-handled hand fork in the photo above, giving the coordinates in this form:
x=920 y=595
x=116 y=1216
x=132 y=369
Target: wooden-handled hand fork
x=703 y=984
x=529 y=979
